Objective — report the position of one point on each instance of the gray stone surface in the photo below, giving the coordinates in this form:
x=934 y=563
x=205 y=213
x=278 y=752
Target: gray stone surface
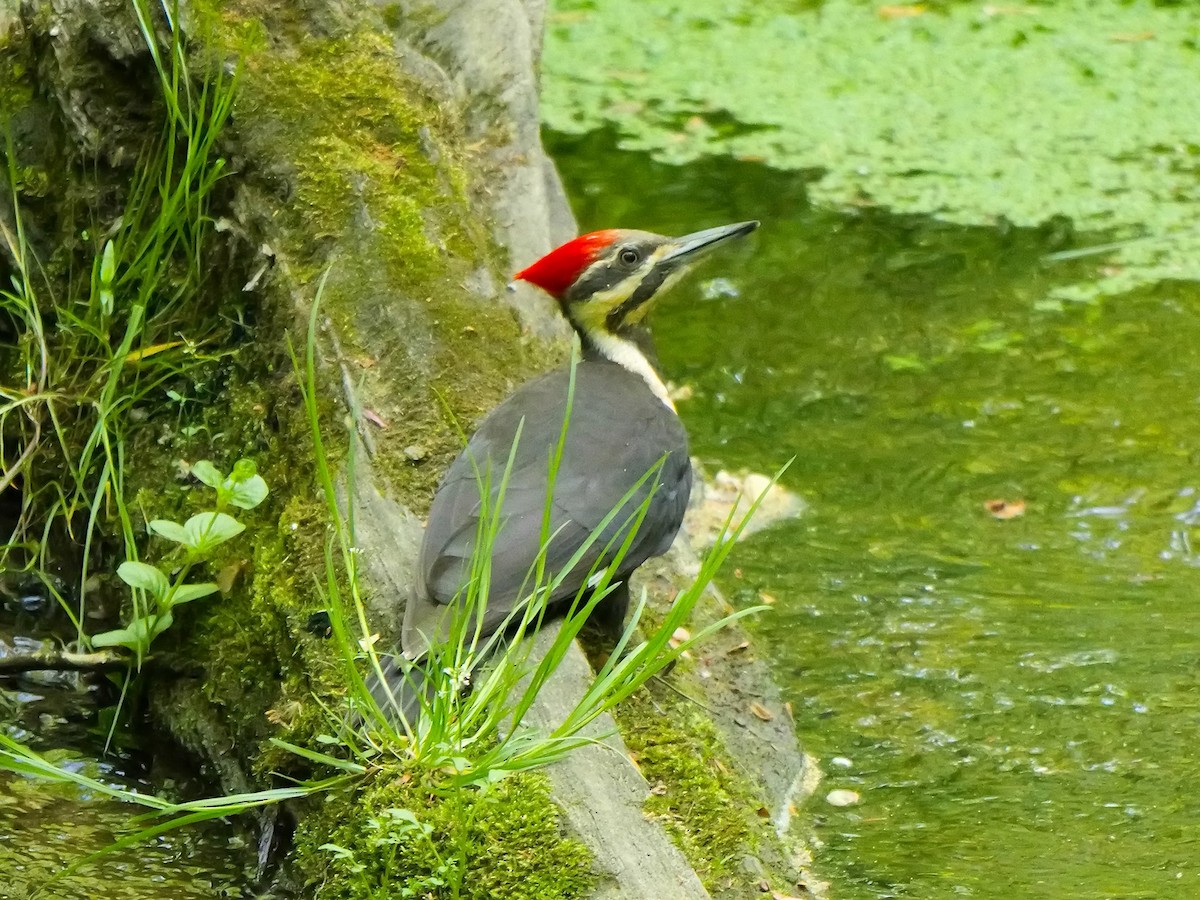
x=381 y=522
x=601 y=794
x=490 y=50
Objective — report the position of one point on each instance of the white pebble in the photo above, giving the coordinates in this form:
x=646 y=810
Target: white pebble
x=842 y=798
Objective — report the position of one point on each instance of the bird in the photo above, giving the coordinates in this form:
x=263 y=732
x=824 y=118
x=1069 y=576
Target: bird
x=621 y=424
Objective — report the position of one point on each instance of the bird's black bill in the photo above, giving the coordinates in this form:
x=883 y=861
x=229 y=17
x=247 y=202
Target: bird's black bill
x=700 y=242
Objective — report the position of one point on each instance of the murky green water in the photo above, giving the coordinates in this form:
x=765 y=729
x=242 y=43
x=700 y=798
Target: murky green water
x=44 y=828
x=1015 y=701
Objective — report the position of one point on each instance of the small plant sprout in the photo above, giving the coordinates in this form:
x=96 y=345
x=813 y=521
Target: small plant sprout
x=156 y=592
x=108 y=270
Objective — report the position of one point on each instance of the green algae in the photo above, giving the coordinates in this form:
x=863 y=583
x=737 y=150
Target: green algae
x=973 y=114
x=46 y=831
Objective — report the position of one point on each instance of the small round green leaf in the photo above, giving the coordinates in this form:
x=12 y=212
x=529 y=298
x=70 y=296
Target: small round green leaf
x=143 y=576
x=185 y=593
x=208 y=473
x=118 y=637
x=249 y=493
x=172 y=531
x=206 y=530
x=244 y=470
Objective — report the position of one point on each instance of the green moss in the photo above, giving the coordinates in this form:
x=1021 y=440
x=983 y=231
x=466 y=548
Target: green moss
x=359 y=173
x=261 y=666
x=376 y=193
x=16 y=90
x=393 y=15
x=709 y=812
x=397 y=839
x=371 y=150
x=360 y=153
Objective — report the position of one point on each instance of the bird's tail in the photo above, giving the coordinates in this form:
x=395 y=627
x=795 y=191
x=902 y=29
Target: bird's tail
x=401 y=691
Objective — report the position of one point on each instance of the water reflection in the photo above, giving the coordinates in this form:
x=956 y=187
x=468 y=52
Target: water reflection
x=45 y=828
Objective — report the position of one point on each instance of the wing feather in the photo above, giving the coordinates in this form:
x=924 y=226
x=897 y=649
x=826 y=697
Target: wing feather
x=618 y=432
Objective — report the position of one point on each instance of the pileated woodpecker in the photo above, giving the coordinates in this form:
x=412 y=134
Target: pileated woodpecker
x=621 y=425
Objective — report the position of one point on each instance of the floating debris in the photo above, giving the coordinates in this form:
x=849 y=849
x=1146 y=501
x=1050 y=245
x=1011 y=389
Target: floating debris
x=761 y=712
x=842 y=797
x=1005 y=509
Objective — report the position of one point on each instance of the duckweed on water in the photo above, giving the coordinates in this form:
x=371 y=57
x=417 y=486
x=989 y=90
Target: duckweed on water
x=969 y=112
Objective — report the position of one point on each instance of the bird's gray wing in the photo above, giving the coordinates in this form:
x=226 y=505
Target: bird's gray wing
x=618 y=432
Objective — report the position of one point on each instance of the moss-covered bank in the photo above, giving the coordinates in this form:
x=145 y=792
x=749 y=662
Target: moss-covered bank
x=336 y=161
x=501 y=842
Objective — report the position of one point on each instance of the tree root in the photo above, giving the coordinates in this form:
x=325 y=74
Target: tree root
x=52 y=659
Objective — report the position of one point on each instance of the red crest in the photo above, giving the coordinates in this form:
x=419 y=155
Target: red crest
x=558 y=269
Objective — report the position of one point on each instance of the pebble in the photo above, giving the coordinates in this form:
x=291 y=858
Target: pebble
x=716 y=288
x=753 y=866
x=842 y=797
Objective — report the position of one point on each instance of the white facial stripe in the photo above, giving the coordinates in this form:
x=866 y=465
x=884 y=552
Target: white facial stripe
x=591 y=316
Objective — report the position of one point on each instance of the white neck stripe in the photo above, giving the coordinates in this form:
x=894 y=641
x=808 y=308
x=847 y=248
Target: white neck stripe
x=626 y=354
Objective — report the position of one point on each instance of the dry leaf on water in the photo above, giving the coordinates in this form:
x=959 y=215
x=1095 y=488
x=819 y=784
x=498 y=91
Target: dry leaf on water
x=1005 y=509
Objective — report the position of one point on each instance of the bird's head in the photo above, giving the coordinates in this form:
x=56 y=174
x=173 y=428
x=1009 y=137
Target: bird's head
x=606 y=280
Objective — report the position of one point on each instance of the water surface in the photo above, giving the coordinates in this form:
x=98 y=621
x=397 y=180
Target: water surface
x=44 y=828
x=1014 y=700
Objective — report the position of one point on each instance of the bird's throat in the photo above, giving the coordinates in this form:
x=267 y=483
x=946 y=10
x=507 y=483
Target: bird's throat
x=631 y=349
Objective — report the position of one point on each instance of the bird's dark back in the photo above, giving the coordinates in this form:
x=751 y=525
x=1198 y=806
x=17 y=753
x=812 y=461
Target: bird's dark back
x=617 y=432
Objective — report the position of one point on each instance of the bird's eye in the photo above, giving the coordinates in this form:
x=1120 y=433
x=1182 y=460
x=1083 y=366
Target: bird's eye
x=630 y=257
